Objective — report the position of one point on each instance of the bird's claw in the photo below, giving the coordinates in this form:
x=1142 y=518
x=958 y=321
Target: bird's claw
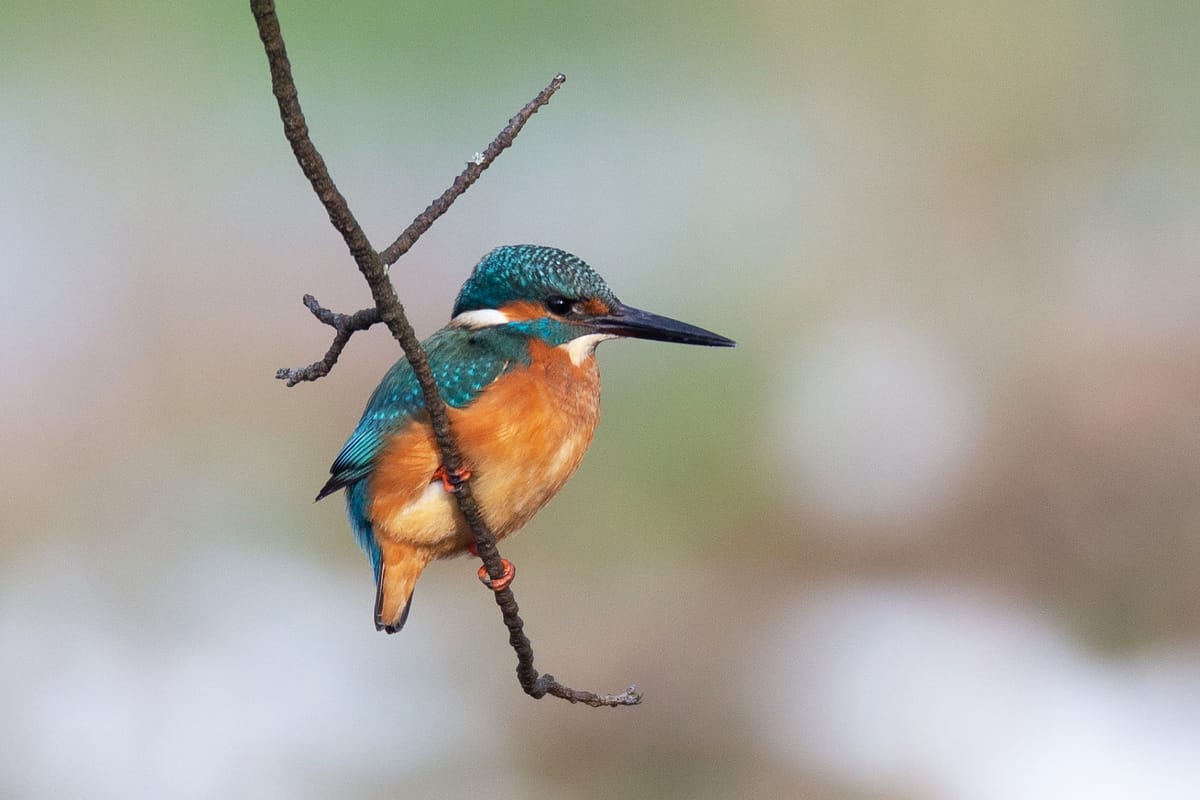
x=501 y=583
x=452 y=480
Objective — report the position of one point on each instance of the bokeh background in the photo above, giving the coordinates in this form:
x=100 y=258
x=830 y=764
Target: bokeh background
x=931 y=531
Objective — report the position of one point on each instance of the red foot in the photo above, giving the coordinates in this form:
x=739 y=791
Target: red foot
x=503 y=581
x=452 y=480
x=510 y=572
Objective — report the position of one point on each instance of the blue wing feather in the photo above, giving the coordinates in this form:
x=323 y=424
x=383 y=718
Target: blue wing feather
x=356 y=509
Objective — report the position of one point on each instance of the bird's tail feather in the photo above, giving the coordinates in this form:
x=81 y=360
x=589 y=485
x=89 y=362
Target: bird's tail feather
x=397 y=578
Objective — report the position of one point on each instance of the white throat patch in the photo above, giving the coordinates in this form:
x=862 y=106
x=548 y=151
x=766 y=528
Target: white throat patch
x=581 y=347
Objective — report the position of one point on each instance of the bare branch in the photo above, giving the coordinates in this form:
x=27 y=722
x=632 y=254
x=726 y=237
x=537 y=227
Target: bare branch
x=468 y=176
x=388 y=310
x=296 y=130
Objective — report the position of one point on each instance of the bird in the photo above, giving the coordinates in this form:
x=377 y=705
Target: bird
x=516 y=369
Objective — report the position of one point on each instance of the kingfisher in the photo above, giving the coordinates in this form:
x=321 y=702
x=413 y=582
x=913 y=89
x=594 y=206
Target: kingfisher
x=516 y=368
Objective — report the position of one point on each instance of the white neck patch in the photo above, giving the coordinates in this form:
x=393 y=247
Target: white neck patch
x=581 y=348
x=480 y=318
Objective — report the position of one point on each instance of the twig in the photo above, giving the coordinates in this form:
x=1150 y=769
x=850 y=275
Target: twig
x=373 y=266
x=346 y=326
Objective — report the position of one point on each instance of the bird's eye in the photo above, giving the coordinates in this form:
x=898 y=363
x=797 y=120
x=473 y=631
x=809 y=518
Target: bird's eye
x=557 y=304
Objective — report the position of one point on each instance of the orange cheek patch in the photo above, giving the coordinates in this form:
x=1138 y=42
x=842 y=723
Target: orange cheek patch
x=595 y=307
x=523 y=310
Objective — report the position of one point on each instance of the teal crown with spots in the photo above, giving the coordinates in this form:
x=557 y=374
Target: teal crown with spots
x=529 y=272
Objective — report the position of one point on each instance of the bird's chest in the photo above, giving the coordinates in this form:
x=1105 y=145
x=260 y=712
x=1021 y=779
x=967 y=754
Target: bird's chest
x=526 y=435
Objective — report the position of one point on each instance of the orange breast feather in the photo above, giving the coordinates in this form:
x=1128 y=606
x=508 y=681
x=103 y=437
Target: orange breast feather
x=522 y=438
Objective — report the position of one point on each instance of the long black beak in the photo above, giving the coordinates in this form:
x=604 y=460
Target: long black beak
x=623 y=320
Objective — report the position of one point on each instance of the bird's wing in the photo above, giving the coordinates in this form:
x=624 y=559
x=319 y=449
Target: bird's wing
x=391 y=407
x=463 y=363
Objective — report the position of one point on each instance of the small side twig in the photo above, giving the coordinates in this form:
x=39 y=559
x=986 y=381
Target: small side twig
x=373 y=266
x=345 y=325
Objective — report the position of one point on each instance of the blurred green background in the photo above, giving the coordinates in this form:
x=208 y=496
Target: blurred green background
x=931 y=531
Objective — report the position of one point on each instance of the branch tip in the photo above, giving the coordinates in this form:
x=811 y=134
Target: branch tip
x=630 y=697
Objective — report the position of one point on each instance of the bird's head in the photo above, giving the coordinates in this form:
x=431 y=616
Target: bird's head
x=559 y=298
